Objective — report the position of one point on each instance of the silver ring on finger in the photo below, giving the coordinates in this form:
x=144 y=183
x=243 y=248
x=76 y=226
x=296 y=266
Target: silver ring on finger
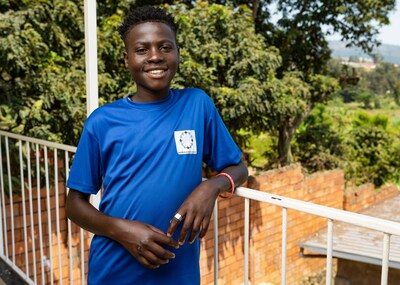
x=178 y=217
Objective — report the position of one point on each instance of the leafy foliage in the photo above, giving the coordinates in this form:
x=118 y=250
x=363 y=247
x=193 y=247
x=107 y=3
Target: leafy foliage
x=225 y=57
x=319 y=141
x=358 y=143
x=42 y=68
x=372 y=156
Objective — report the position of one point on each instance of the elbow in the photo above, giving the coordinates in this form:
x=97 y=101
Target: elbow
x=68 y=206
x=244 y=173
x=75 y=201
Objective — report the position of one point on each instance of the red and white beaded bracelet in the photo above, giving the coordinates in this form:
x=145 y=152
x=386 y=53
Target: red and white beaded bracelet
x=232 y=184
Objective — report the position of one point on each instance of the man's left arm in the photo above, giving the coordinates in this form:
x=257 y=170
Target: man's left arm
x=197 y=209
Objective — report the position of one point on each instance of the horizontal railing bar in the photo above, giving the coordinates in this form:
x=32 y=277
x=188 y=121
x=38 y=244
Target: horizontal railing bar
x=369 y=222
x=39 y=141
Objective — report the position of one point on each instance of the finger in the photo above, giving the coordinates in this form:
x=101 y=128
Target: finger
x=153 y=250
x=149 y=260
x=175 y=221
x=187 y=225
x=195 y=230
x=166 y=240
x=143 y=261
x=204 y=226
x=155 y=254
x=153 y=259
x=143 y=258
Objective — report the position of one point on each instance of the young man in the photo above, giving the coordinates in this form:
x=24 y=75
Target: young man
x=147 y=151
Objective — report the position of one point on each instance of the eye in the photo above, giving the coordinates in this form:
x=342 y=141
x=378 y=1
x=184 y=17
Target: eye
x=166 y=48
x=140 y=51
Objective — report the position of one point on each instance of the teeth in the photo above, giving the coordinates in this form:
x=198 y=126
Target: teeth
x=156 y=71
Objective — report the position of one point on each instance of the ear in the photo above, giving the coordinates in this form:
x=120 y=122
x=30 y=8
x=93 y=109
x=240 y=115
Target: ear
x=126 y=58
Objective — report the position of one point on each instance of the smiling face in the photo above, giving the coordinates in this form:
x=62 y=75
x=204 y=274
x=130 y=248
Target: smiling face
x=152 y=58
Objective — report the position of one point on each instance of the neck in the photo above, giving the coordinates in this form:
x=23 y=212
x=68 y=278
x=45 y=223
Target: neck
x=150 y=96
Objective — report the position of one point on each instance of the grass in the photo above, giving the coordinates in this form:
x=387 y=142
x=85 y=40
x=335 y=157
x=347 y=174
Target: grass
x=388 y=108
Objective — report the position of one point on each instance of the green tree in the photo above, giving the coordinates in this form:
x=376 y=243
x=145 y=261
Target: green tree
x=373 y=154
x=299 y=28
x=384 y=80
x=42 y=68
x=299 y=32
x=225 y=56
x=222 y=54
x=319 y=141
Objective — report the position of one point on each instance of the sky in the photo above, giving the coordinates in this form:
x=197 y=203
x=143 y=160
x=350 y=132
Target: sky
x=391 y=34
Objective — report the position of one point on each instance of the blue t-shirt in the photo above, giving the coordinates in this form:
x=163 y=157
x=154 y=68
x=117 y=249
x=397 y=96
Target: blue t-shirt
x=148 y=157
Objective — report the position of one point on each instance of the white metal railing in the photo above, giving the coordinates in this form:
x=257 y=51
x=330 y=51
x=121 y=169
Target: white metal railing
x=41 y=238
x=40 y=241
x=388 y=228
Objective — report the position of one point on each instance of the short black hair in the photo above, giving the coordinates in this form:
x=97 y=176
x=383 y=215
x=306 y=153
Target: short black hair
x=146 y=14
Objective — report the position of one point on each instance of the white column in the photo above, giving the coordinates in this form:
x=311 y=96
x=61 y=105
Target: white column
x=92 y=92
x=91 y=56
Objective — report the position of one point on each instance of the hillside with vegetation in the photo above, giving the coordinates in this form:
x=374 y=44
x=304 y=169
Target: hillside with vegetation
x=388 y=53
x=269 y=78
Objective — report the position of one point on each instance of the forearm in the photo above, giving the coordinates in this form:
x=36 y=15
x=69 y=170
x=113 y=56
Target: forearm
x=145 y=242
x=239 y=174
x=81 y=212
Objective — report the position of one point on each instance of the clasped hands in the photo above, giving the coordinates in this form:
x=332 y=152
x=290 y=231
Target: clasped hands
x=149 y=245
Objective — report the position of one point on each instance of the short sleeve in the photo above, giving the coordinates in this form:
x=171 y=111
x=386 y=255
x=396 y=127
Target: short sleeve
x=220 y=150
x=85 y=175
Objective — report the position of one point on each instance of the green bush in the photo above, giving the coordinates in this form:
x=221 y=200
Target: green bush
x=372 y=156
x=318 y=144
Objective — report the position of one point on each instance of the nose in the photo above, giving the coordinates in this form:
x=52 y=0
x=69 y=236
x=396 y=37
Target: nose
x=155 y=55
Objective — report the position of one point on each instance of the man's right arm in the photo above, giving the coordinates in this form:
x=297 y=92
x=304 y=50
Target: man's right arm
x=145 y=242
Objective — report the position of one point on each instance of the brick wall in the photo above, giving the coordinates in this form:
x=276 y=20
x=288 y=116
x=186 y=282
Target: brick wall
x=359 y=198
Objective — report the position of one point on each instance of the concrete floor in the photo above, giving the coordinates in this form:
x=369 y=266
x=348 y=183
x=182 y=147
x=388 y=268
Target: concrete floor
x=8 y=276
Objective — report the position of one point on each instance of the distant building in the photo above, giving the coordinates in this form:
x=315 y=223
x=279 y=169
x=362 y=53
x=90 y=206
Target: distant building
x=366 y=63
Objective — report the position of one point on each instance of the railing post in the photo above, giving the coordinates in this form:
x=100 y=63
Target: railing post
x=2 y=205
x=1 y=230
x=385 y=259
x=11 y=197
x=246 y=239
x=329 y=253
x=284 y=244
x=216 y=242
x=22 y=179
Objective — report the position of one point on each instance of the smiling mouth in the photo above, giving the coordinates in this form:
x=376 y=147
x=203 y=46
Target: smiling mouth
x=158 y=71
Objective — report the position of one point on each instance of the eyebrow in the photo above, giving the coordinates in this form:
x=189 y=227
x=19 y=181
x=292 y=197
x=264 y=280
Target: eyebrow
x=160 y=41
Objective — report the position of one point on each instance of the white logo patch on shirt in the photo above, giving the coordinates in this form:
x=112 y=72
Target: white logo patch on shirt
x=185 y=142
